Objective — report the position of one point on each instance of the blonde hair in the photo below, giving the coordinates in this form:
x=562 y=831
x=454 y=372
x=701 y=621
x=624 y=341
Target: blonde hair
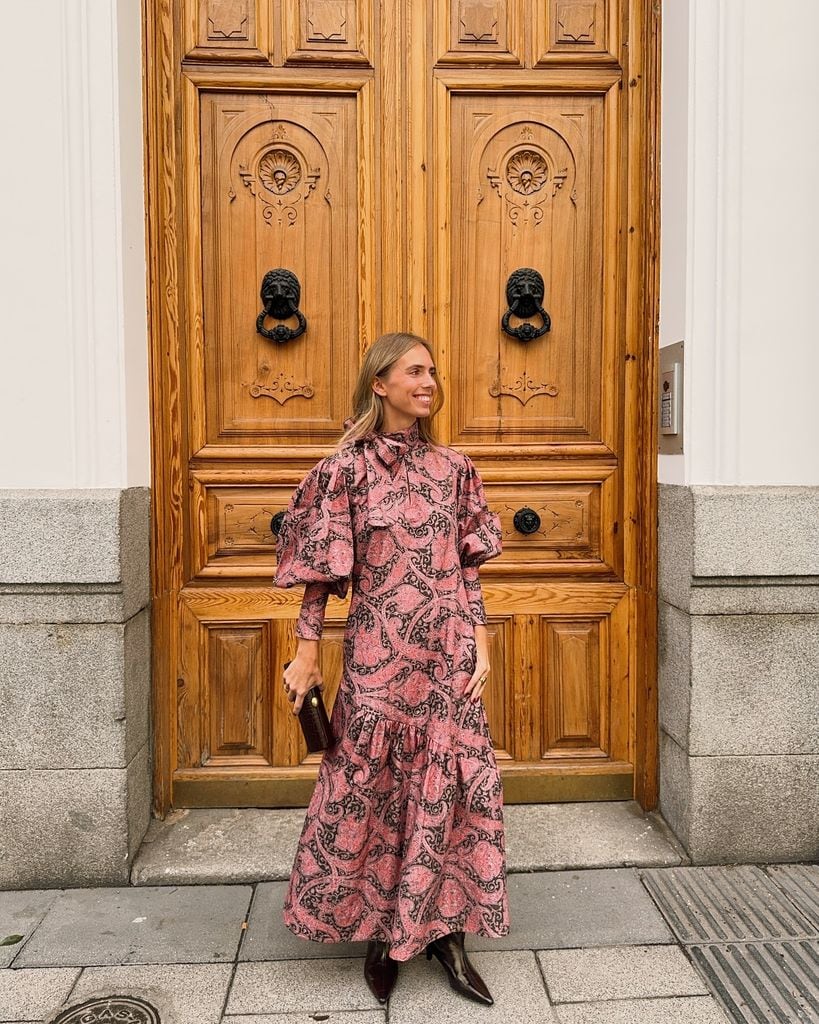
x=368 y=407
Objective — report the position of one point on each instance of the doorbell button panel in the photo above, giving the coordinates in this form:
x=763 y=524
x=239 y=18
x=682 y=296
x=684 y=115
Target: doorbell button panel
x=670 y=399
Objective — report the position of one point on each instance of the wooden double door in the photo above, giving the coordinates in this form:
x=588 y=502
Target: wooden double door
x=468 y=170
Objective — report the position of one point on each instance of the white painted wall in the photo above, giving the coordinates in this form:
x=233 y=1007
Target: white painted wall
x=740 y=155
x=73 y=391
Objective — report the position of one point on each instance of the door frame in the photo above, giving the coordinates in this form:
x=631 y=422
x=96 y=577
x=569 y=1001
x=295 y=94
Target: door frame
x=165 y=208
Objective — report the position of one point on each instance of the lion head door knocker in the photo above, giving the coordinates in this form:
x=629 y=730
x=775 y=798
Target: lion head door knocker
x=280 y=294
x=524 y=294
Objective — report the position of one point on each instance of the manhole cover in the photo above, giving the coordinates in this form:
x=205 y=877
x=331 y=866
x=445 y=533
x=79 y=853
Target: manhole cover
x=109 y=1010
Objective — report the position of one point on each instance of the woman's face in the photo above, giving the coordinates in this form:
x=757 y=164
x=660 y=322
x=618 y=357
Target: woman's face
x=409 y=387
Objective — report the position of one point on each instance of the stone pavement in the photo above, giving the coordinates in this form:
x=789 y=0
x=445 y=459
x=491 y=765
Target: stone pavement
x=659 y=942
x=679 y=945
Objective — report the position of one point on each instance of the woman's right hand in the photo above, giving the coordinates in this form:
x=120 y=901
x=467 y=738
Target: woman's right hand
x=303 y=673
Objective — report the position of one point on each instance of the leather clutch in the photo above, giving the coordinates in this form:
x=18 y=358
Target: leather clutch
x=314 y=721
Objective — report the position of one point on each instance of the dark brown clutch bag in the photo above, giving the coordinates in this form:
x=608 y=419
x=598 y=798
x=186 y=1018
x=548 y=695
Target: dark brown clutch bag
x=314 y=721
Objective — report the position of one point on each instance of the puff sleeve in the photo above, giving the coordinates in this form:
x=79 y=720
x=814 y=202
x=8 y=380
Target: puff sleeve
x=479 y=536
x=315 y=543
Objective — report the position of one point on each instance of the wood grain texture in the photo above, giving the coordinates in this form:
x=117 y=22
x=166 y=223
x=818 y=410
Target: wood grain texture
x=403 y=159
x=487 y=32
x=237 y=711
x=533 y=196
x=575 y=705
x=642 y=314
x=278 y=192
x=571 y=31
x=161 y=161
x=335 y=31
x=226 y=30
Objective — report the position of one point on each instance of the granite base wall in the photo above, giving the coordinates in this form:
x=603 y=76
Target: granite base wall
x=75 y=762
x=739 y=671
x=739 y=678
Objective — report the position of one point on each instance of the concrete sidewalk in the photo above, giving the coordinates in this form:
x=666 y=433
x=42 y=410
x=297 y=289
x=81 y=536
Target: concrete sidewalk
x=622 y=945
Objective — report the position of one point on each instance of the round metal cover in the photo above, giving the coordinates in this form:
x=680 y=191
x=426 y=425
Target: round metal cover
x=109 y=1010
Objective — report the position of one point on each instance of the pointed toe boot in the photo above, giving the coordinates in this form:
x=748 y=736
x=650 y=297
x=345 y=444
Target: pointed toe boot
x=463 y=977
x=380 y=971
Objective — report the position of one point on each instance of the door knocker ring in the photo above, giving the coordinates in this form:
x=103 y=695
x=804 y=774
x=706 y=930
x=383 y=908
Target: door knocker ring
x=280 y=295
x=524 y=294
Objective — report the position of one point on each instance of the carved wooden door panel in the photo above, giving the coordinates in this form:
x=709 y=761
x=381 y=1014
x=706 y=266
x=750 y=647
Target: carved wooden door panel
x=534 y=206
x=471 y=171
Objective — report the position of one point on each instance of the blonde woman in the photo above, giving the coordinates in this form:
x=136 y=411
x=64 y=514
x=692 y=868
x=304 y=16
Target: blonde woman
x=403 y=842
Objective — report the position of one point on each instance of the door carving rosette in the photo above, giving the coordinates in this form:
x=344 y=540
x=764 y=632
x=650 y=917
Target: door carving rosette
x=526 y=182
x=281 y=182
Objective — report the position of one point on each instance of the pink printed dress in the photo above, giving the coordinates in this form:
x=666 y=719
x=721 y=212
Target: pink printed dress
x=403 y=839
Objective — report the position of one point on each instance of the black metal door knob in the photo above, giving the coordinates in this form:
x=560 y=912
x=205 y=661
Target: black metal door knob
x=276 y=523
x=526 y=520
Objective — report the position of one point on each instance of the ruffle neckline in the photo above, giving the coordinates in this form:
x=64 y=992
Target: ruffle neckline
x=390 y=447
x=408 y=434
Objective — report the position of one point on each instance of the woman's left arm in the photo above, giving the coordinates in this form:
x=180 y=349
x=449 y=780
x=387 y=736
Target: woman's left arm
x=479 y=539
x=477 y=684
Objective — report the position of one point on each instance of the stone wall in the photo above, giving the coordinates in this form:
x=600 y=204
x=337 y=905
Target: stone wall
x=739 y=671
x=739 y=678
x=75 y=753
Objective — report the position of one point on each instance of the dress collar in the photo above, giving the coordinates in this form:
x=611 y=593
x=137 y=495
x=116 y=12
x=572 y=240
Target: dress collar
x=391 y=447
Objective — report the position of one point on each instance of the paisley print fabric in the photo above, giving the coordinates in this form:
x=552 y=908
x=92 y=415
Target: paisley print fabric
x=403 y=839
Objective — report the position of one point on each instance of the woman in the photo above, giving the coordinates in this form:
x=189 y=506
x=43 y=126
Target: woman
x=403 y=842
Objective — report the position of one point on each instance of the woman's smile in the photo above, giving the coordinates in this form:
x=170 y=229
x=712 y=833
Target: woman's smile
x=408 y=390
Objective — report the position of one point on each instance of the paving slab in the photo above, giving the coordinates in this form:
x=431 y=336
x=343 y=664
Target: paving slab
x=218 y=846
x=725 y=903
x=20 y=913
x=252 y=844
x=300 y=986
x=556 y=837
x=422 y=993
x=560 y=909
x=340 y=1017
x=182 y=994
x=618 y=972
x=97 y=927
x=548 y=910
x=34 y=994
x=267 y=938
x=685 y=1010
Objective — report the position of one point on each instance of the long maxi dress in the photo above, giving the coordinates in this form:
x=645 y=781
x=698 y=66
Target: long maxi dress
x=403 y=839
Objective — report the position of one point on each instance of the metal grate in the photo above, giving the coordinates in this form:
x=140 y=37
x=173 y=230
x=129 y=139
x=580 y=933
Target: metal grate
x=726 y=904
x=763 y=982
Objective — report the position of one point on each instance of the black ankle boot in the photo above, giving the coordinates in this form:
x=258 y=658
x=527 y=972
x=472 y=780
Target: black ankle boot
x=463 y=977
x=380 y=971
